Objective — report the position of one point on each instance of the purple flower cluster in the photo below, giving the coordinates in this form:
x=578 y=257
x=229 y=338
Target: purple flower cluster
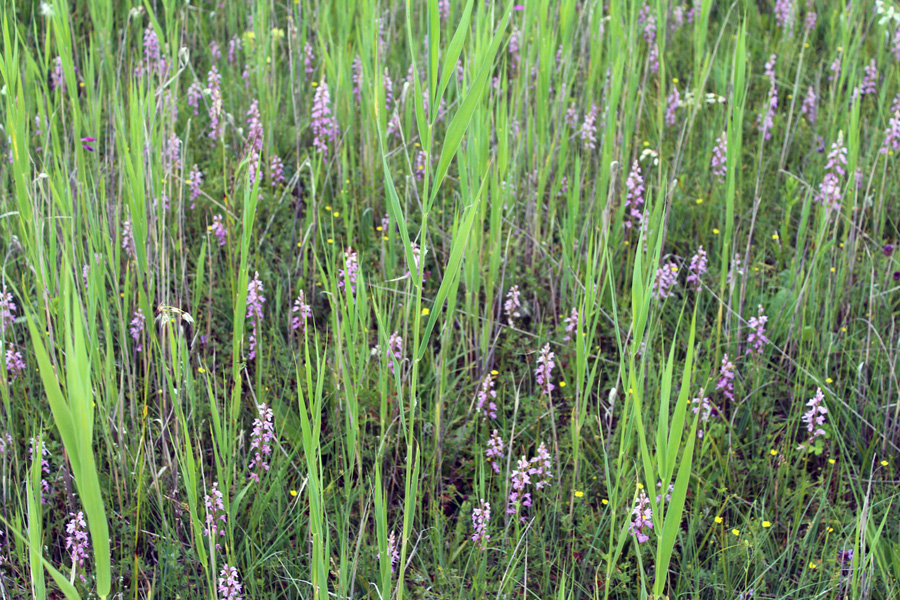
x=830 y=188
x=697 y=268
x=444 y=12
x=195 y=178
x=357 y=78
x=895 y=44
x=308 y=59
x=485 y=398
x=229 y=584
x=393 y=551
x=809 y=21
x=707 y=409
x=544 y=371
x=45 y=464
x=7 y=309
x=571 y=325
x=814 y=418
x=136 y=329
x=634 y=197
x=673 y=101
x=395 y=350
x=128 y=240
x=869 y=83
x=172 y=154
x=255 y=300
x=734 y=269
x=726 y=378
x=350 y=271
x=892 y=133
x=643 y=518
x=57 y=75
x=810 y=107
x=647 y=20
x=514 y=41
x=785 y=16
x=154 y=60
x=302 y=311
x=15 y=363
x=421 y=161
x=719 y=163
x=494 y=451
x=512 y=304
x=215 y=515
x=276 y=170
x=765 y=120
x=666 y=278
x=261 y=441
x=194 y=92
x=219 y=230
x=234 y=44
x=254 y=128
x=835 y=68
x=324 y=125
x=588 y=128
x=77 y=543
x=216 y=103
x=539 y=468
x=480 y=518
x=757 y=337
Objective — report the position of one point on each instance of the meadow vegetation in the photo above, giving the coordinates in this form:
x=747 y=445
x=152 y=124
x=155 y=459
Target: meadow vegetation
x=449 y=299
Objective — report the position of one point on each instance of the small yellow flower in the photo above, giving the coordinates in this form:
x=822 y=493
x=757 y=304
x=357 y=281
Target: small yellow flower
x=829 y=380
x=675 y=80
x=327 y=207
x=640 y=486
x=495 y=372
x=314 y=84
x=844 y=329
x=736 y=531
x=562 y=384
x=385 y=238
x=767 y=524
x=832 y=269
x=831 y=461
x=337 y=214
x=425 y=312
x=330 y=241
x=806 y=45
x=812 y=565
x=379 y=228
x=605 y=501
x=674 y=268
x=774 y=236
x=829 y=530
x=122 y=294
x=699 y=201
x=842 y=244
x=773 y=452
x=646 y=143
x=201 y=370
x=579 y=494
x=716 y=231
x=719 y=519
x=884 y=463
x=299 y=244
x=626 y=242
x=294 y=493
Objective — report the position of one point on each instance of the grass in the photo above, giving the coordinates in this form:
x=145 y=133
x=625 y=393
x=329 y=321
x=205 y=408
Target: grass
x=421 y=227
